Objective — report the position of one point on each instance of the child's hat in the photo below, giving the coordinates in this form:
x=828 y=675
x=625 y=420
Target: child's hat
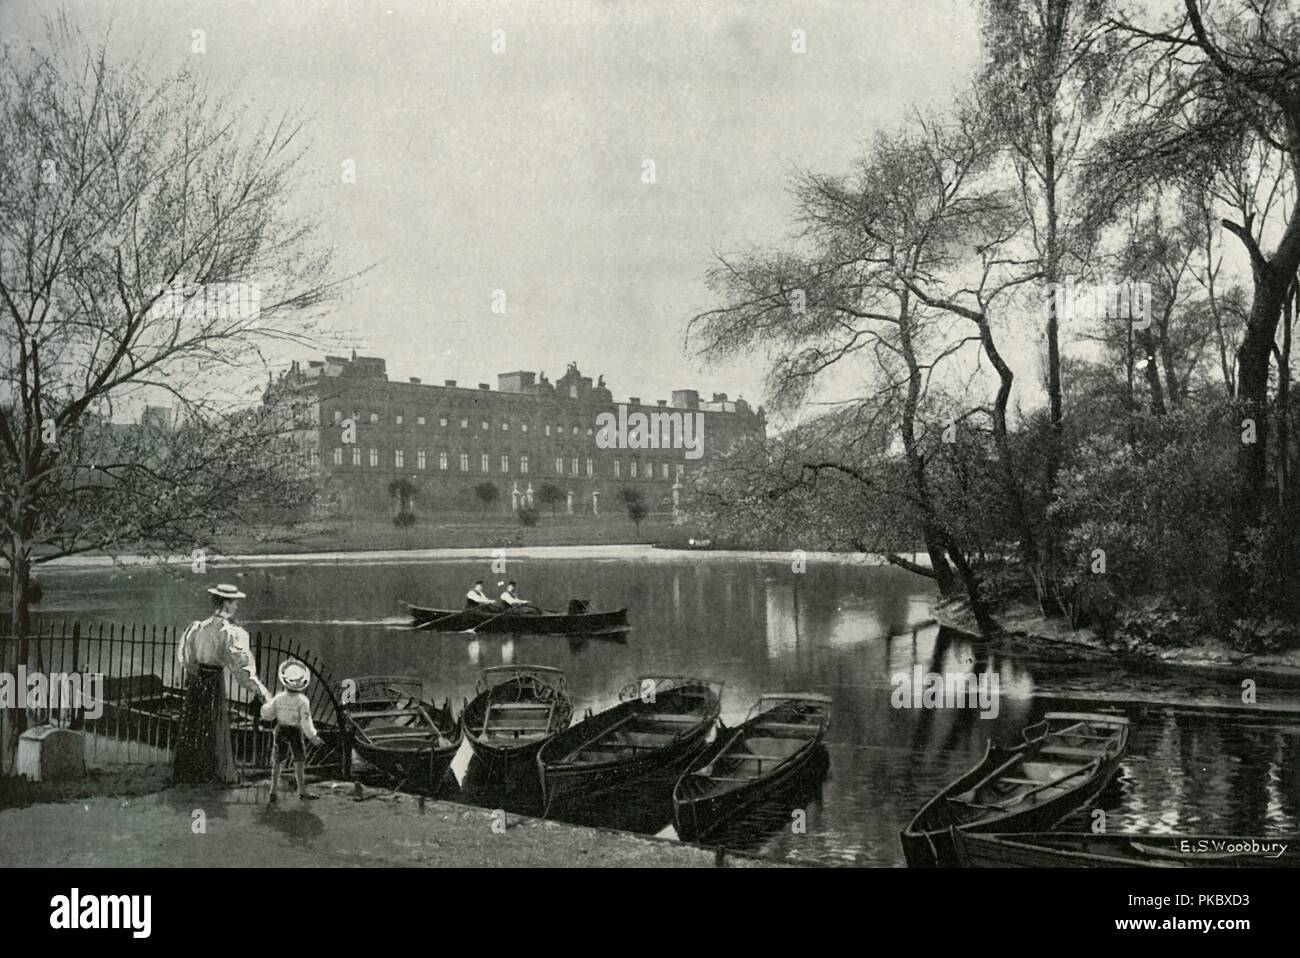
x=294 y=676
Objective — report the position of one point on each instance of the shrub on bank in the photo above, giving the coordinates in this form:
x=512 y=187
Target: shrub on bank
x=1264 y=635
x=1158 y=624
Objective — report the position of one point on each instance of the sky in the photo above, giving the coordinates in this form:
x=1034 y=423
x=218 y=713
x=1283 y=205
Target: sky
x=522 y=170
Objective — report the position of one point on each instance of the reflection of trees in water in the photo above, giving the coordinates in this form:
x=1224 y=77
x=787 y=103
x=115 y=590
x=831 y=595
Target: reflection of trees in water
x=1220 y=774
x=1247 y=770
x=1286 y=774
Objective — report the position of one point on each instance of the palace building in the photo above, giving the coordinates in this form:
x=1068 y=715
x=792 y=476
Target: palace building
x=361 y=433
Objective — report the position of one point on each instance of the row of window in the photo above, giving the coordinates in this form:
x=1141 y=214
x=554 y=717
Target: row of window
x=636 y=469
x=484 y=424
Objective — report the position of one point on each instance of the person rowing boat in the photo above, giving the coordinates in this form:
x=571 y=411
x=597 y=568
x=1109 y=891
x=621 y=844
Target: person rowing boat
x=511 y=602
x=476 y=598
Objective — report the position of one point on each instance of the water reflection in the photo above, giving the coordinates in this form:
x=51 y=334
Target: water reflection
x=839 y=628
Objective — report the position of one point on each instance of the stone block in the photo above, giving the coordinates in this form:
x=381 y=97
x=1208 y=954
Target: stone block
x=52 y=754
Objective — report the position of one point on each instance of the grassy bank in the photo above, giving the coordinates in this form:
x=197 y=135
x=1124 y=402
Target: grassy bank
x=446 y=532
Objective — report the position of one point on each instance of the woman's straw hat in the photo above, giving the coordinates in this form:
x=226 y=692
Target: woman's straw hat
x=226 y=592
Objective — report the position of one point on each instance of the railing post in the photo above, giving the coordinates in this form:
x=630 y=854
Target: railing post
x=78 y=715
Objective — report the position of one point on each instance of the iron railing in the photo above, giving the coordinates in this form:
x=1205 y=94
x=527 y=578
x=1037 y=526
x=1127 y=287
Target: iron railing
x=130 y=710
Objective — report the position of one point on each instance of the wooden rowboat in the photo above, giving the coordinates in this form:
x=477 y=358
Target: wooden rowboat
x=1087 y=850
x=749 y=763
x=1062 y=766
x=577 y=621
x=516 y=708
x=659 y=726
x=397 y=731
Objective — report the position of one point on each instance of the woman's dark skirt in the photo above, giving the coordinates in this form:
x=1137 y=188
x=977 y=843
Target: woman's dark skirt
x=204 y=752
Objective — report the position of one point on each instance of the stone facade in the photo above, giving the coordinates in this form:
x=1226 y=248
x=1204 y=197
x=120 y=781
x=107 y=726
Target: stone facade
x=362 y=433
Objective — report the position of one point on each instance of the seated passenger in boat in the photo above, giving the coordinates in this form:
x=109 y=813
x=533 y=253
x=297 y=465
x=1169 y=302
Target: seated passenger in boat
x=510 y=600
x=476 y=598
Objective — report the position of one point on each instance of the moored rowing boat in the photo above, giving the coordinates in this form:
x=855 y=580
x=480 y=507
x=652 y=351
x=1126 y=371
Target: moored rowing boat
x=749 y=763
x=398 y=732
x=1063 y=765
x=659 y=726
x=516 y=709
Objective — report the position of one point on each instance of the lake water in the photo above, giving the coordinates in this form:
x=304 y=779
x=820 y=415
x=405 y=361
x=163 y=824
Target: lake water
x=1197 y=760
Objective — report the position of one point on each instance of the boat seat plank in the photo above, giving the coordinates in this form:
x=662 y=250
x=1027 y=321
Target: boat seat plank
x=722 y=778
x=644 y=739
x=1070 y=752
x=504 y=706
x=382 y=713
x=516 y=728
x=754 y=757
x=1039 y=790
x=664 y=717
x=613 y=746
x=791 y=726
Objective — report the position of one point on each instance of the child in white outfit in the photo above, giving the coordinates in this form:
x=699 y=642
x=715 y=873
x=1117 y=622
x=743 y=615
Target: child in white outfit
x=291 y=711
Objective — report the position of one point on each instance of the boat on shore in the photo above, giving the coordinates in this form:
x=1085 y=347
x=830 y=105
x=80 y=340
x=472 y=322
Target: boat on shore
x=578 y=620
x=1061 y=767
x=396 y=730
x=750 y=762
x=516 y=708
x=661 y=723
x=1123 y=850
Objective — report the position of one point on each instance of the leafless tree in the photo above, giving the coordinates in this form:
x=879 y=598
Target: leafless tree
x=147 y=248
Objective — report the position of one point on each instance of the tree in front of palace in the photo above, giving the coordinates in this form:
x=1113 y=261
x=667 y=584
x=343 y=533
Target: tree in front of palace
x=404 y=491
x=486 y=494
x=132 y=209
x=528 y=517
x=633 y=501
x=551 y=495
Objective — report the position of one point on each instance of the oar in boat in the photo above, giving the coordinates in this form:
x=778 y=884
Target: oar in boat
x=441 y=618
x=474 y=629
